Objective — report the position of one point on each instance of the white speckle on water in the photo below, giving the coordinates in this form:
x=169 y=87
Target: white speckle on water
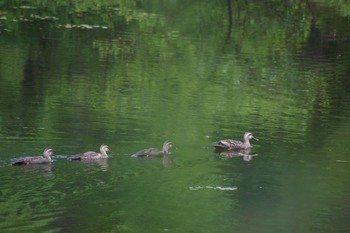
x=212 y=187
x=82 y=26
x=341 y=161
x=226 y=188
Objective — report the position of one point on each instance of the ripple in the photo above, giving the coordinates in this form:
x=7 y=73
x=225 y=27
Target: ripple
x=340 y=161
x=81 y=26
x=196 y=188
x=24 y=7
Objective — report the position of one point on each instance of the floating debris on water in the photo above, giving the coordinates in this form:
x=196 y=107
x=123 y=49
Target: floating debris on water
x=212 y=187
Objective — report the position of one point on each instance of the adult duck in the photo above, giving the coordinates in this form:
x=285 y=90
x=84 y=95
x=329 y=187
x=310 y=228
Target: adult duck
x=27 y=160
x=154 y=152
x=230 y=144
x=92 y=155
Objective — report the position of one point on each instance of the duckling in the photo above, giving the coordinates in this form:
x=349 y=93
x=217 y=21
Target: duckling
x=230 y=144
x=44 y=159
x=154 y=152
x=92 y=155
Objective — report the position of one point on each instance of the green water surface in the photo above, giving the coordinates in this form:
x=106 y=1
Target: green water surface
x=132 y=74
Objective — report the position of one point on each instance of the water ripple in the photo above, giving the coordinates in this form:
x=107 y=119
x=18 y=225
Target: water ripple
x=195 y=188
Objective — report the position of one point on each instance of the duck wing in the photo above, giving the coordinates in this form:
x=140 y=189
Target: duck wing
x=29 y=160
x=150 y=152
x=140 y=153
x=154 y=152
x=234 y=144
x=18 y=161
x=220 y=145
x=228 y=144
x=90 y=155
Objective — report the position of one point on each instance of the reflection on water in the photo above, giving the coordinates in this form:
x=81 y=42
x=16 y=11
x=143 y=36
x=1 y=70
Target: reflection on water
x=133 y=75
x=28 y=200
x=245 y=154
x=215 y=188
x=101 y=163
x=42 y=169
x=168 y=161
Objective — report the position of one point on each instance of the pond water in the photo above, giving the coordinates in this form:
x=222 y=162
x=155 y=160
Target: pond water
x=133 y=74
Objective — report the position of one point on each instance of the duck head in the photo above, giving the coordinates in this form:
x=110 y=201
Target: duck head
x=103 y=149
x=166 y=146
x=248 y=136
x=48 y=152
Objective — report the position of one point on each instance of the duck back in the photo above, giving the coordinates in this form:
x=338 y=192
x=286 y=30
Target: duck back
x=150 y=152
x=30 y=160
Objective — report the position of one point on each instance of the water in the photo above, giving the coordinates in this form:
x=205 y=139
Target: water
x=132 y=76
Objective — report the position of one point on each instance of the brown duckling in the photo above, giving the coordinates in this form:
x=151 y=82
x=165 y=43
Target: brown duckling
x=230 y=144
x=92 y=155
x=154 y=152
x=27 y=160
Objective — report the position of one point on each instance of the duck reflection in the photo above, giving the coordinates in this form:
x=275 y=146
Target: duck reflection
x=101 y=163
x=167 y=161
x=245 y=154
x=43 y=169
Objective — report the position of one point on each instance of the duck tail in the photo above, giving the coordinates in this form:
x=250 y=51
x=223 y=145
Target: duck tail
x=17 y=162
x=140 y=153
x=219 y=145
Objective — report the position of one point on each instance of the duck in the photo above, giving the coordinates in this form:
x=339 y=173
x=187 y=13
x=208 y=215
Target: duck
x=92 y=155
x=230 y=144
x=154 y=152
x=27 y=160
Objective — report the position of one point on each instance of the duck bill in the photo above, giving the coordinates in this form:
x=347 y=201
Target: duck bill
x=255 y=139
